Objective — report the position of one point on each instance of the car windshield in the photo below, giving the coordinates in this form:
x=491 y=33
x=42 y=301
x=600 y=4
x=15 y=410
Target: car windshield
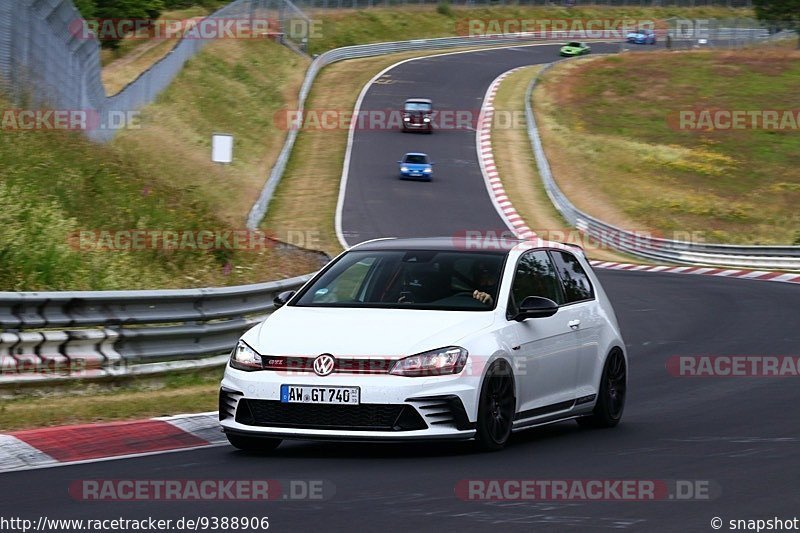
x=415 y=159
x=418 y=106
x=408 y=279
x=574 y=45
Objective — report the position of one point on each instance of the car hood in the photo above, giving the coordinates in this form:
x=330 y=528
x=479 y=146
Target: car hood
x=637 y=35
x=569 y=48
x=415 y=166
x=306 y=331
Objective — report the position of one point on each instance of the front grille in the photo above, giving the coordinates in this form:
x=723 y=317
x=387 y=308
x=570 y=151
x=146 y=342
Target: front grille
x=364 y=417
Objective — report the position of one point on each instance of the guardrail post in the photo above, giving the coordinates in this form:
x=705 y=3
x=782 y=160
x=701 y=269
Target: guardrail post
x=83 y=349
x=25 y=352
x=53 y=361
x=8 y=365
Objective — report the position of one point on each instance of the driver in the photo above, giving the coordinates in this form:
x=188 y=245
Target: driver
x=486 y=278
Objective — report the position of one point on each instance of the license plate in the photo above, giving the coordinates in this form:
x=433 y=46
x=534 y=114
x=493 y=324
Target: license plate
x=331 y=395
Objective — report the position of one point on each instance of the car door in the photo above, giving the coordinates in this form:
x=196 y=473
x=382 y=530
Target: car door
x=581 y=304
x=545 y=354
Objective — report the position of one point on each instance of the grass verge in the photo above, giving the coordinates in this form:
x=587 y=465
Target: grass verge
x=516 y=166
x=143 y=398
x=155 y=177
x=611 y=131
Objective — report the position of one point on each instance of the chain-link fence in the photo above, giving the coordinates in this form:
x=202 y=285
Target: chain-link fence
x=48 y=59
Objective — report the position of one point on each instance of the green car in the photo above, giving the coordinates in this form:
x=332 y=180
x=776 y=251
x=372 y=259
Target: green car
x=575 y=49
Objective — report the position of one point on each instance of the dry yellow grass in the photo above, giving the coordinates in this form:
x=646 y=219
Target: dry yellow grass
x=619 y=155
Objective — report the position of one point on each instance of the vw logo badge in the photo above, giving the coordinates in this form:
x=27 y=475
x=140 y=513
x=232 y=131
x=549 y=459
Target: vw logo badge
x=323 y=365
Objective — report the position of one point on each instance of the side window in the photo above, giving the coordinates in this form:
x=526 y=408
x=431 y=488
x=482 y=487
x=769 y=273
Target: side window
x=577 y=286
x=535 y=276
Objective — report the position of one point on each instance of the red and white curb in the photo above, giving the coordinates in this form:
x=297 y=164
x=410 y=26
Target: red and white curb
x=48 y=447
x=486 y=159
x=762 y=275
x=515 y=222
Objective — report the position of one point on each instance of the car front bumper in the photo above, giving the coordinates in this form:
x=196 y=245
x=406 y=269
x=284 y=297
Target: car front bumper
x=436 y=407
x=417 y=175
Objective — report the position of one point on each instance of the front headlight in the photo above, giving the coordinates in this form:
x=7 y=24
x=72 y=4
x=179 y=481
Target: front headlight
x=428 y=171
x=426 y=119
x=244 y=357
x=406 y=119
x=403 y=169
x=450 y=360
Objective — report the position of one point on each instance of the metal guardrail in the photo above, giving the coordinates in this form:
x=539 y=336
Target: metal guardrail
x=51 y=336
x=641 y=245
x=259 y=209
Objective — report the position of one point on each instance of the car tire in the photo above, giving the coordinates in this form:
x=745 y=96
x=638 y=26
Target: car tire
x=253 y=444
x=496 y=408
x=610 y=403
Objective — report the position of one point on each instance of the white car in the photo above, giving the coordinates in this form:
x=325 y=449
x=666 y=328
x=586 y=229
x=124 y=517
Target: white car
x=431 y=338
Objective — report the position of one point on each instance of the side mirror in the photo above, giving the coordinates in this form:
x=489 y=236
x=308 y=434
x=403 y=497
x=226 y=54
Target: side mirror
x=399 y=162
x=536 y=307
x=283 y=297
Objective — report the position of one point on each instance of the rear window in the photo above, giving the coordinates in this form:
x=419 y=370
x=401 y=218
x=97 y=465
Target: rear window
x=574 y=280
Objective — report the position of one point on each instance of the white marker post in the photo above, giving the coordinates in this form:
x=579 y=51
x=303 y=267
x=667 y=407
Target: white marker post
x=221 y=148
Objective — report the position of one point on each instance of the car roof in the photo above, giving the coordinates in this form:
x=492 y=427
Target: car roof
x=416 y=153
x=491 y=242
x=421 y=100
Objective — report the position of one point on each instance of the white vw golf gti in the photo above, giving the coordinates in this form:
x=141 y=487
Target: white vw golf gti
x=430 y=339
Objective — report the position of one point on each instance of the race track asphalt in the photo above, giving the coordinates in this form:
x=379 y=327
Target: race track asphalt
x=376 y=202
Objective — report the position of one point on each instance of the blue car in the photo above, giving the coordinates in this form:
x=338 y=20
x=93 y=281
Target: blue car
x=642 y=37
x=416 y=165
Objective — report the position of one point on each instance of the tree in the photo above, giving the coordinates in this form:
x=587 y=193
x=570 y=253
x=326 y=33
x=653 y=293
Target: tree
x=781 y=14
x=85 y=8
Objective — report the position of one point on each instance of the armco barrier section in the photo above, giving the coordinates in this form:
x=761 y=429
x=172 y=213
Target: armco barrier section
x=61 y=335
x=640 y=245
